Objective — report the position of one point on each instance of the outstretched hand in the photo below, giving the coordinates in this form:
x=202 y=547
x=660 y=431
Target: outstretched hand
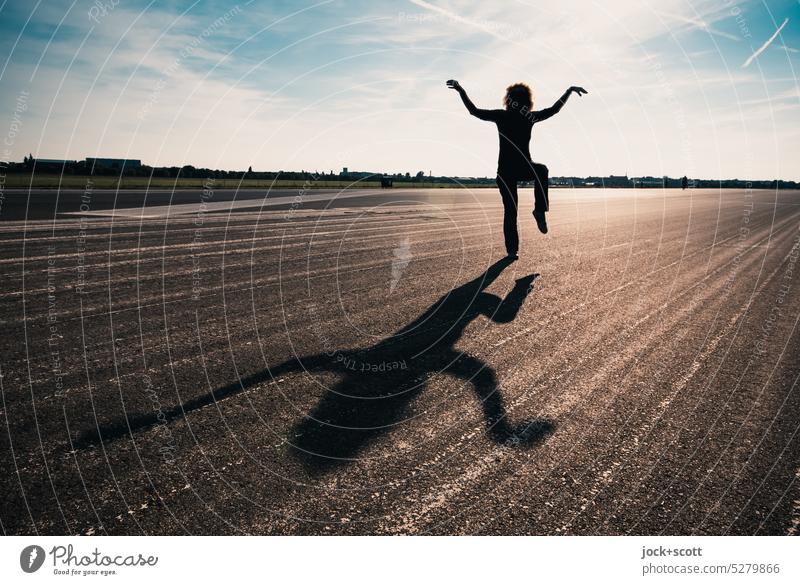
x=575 y=89
x=453 y=84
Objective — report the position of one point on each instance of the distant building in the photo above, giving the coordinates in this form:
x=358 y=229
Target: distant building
x=54 y=161
x=359 y=174
x=647 y=181
x=131 y=163
x=613 y=180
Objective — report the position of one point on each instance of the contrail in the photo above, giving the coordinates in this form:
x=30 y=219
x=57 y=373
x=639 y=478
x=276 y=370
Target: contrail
x=457 y=18
x=700 y=24
x=765 y=45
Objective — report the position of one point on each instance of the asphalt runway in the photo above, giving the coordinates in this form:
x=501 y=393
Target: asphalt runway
x=363 y=364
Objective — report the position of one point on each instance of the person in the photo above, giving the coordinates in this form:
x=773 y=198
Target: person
x=514 y=125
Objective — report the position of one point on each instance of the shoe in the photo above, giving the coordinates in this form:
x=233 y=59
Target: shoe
x=541 y=222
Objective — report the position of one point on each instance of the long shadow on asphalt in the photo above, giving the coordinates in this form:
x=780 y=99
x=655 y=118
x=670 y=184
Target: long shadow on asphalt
x=379 y=383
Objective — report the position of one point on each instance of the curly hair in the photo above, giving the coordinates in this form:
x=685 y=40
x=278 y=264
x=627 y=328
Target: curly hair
x=518 y=95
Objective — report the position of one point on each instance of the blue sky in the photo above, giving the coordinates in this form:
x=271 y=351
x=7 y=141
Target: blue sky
x=674 y=87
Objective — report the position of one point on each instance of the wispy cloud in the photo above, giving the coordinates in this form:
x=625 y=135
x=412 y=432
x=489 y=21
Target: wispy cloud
x=763 y=47
x=789 y=49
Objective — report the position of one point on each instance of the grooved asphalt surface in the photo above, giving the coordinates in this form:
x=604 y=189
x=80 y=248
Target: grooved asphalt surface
x=363 y=365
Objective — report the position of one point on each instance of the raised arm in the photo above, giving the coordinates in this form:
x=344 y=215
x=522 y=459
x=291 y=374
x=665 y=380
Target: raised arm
x=507 y=310
x=556 y=107
x=489 y=115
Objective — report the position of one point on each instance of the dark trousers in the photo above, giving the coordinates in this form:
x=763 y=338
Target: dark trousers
x=507 y=183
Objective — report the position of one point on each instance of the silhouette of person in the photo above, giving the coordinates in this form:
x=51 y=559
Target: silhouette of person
x=514 y=125
x=378 y=383
x=684 y=182
x=365 y=404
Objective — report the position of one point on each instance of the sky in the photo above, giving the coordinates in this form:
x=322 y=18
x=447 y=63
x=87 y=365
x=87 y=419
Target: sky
x=707 y=89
